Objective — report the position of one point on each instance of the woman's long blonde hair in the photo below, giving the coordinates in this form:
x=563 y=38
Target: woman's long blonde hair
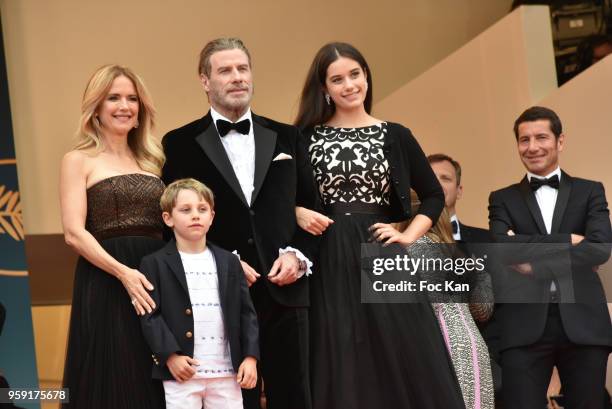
x=144 y=146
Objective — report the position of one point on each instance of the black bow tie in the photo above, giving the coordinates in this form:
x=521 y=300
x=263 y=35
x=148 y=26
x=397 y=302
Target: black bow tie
x=242 y=127
x=552 y=181
x=455 y=226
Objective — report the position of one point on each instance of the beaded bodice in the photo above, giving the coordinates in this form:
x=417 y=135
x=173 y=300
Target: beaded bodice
x=125 y=205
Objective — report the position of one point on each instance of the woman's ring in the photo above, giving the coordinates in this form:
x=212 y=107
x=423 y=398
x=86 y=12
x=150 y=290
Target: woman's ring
x=134 y=301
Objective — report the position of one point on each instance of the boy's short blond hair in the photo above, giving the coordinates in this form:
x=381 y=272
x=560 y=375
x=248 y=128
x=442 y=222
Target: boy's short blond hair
x=168 y=198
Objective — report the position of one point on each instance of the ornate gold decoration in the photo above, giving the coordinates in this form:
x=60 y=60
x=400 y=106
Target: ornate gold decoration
x=11 y=221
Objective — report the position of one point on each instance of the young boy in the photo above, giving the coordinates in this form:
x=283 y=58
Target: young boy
x=203 y=332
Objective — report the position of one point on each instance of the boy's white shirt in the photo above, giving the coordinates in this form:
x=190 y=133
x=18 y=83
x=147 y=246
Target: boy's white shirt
x=210 y=342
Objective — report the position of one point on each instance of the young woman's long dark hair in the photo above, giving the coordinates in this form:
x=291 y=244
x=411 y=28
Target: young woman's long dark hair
x=314 y=110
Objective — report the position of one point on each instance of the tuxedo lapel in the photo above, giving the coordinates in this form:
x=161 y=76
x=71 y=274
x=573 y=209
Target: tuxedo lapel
x=532 y=204
x=565 y=187
x=210 y=142
x=222 y=274
x=173 y=259
x=463 y=232
x=265 y=142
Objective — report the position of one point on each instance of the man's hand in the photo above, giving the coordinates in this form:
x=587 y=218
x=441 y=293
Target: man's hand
x=285 y=269
x=249 y=273
x=181 y=368
x=247 y=373
x=576 y=238
x=524 y=268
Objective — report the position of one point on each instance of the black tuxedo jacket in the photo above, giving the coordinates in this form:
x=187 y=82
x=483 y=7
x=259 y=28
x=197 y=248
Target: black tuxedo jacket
x=473 y=240
x=169 y=327
x=581 y=208
x=470 y=234
x=257 y=230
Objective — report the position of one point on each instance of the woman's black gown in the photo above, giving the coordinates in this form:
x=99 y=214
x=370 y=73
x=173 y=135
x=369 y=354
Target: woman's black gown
x=369 y=356
x=108 y=363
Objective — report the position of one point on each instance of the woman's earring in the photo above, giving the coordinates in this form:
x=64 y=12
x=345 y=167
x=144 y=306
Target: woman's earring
x=328 y=99
x=136 y=126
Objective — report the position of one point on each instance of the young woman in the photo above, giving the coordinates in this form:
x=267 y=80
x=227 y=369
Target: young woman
x=366 y=355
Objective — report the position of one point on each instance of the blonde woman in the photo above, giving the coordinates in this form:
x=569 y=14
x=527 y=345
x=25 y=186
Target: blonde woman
x=109 y=194
x=366 y=355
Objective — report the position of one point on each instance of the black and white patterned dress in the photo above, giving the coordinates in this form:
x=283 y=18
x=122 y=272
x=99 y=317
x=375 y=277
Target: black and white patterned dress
x=366 y=355
x=349 y=165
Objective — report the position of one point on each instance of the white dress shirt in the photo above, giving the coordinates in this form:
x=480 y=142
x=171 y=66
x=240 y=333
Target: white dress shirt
x=210 y=342
x=240 y=150
x=456 y=236
x=546 y=197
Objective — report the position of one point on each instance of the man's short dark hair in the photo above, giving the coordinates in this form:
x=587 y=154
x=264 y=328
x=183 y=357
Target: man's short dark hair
x=441 y=157
x=216 y=45
x=539 y=113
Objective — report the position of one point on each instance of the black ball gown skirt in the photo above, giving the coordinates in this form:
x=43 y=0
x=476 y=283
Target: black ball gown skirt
x=108 y=363
x=371 y=356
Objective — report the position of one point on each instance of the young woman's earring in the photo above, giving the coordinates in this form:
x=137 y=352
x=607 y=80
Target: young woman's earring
x=328 y=99
x=136 y=126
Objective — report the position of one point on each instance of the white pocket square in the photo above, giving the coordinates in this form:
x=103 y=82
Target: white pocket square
x=282 y=156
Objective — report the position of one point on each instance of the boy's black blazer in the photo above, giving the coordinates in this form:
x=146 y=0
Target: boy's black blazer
x=169 y=327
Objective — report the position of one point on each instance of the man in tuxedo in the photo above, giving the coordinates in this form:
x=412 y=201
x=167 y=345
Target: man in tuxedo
x=448 y=172
x=259 y=172
x=549 y=208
